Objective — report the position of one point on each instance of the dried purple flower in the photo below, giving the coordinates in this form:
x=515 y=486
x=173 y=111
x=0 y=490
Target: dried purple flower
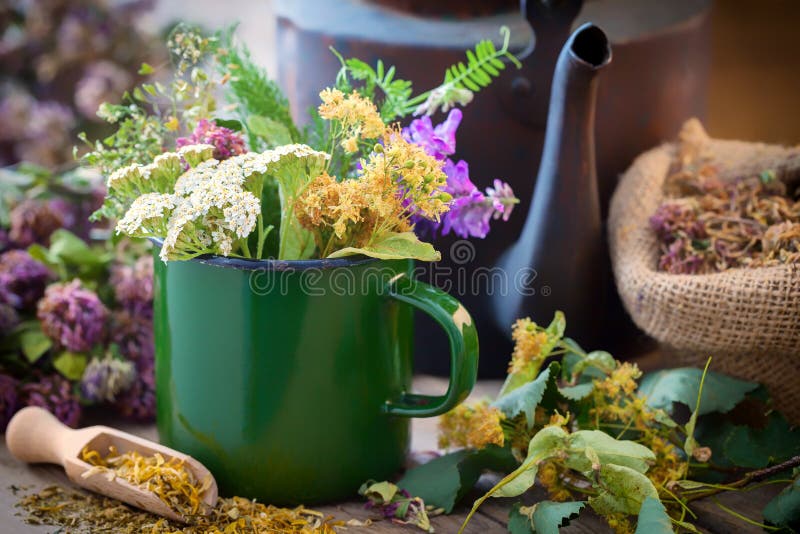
x=33 y=221
x=24 y=277
x=139 y=401
x=226 y=142
x=104 y=379
x=396 y=504
x=9 y=400
x=133 y=284
x=47 y=134
x=102 y=81
x=9 y=301
x=72 y=316
x=132 y=332
x=54 y=394
x=438 y=141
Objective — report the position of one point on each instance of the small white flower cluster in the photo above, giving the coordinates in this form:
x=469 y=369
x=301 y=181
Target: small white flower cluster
x=147 y=215
x=210 y=206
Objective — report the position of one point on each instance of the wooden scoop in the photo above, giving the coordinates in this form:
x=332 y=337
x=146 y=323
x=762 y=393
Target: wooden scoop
x=35 y=436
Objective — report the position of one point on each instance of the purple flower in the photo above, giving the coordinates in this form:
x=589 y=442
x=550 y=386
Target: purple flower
x=133 y=284
x=470 y=210
x=104 y=379
x=72 y=316
x=54 y=394
x=9 y=301
x=226 y=142
x=24 y=277
x=132 y=332
x=139 y=401
x=102 y=81
x=47 y=134
x=9 y=401
x=33 y=221
x=438 y=141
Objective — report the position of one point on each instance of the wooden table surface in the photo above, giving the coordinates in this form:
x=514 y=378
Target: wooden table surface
x=491 y=518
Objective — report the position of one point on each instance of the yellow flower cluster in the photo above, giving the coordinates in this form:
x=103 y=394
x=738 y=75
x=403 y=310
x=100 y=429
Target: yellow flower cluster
x=471 y=425
x=550 y=477
x=621 y=380
x=529 y=342
x=358 y=116
x=419 y=175
x=669 y=464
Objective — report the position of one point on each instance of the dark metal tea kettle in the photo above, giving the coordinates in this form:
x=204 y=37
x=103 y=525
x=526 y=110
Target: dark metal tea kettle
x=561 y=251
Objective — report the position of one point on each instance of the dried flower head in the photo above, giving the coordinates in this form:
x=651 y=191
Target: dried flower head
x=54 y=394
x=473 y=425
x=104 y=379
x=358 y=116
x=133 y=284
x=33 y=221
x=72 y=316
x=225 y=141
x=25 y=277
x=138 y=402
x=530 y=345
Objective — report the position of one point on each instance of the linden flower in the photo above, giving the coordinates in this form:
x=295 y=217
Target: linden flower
x=669 y=464
x=622 y=379
x=530 y=345
x=358 y=116
x=474 y=426
x=147 y=215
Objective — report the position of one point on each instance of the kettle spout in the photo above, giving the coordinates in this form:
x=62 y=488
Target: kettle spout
x=557 y=262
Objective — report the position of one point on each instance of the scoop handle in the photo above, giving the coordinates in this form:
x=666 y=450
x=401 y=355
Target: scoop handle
x=34 y=435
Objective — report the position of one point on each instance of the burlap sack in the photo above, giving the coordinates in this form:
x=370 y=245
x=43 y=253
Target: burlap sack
x=748 y=320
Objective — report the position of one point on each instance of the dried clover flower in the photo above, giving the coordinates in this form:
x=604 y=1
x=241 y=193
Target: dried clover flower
x=54 y=394
x=25 y=277
x=34 y=221
x=72 y=316
x=104 y=379
x=471 y=425
x=225 y=141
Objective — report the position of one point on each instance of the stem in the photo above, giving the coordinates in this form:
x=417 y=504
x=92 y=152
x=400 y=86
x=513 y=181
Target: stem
x=742 y=517
x=261 y=236
x=748 y=478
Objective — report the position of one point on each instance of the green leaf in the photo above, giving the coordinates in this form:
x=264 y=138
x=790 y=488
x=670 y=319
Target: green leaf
x=444 y=481
x=576 y=393
x=622 y=491
x=544 y=517
x=548 y=516
x=384 y=490
x=720 y=392
x=653 y=518
x=34 y=343
x=394 y=246
x=526 y=398
x=231 y=124
x=599 y=359
x=519 y=523
x=70 y=364
x=273 y=132
x=608 y=449
x=73 y=250
x=784 y=509
x=146 y=69
x=755 y=448
x=546 y=443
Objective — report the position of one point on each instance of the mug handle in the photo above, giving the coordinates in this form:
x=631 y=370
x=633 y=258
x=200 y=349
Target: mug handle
x=460 y=330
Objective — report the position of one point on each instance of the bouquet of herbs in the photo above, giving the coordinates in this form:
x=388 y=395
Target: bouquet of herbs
x=242 y=179
x=594 y=432
x=75 y=317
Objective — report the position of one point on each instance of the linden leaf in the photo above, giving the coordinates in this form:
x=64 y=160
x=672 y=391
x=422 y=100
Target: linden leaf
x=622 y=491
x=526 y=398
x=544 y=444
x=576 y=393
x=70 y=364
x=720 y=392
x=548 y=516
x=653 y=518
x=784 y=509
x=608 y=449
x=444 y=481
x=598 y=359
x=754 y=448
x=519 y=523
x=394 y=246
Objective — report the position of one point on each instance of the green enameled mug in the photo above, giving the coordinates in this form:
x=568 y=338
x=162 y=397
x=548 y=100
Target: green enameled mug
x=289 y=380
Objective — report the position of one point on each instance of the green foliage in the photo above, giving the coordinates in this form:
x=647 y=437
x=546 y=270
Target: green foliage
x=720 y=393
x=393 y=246
x=33 y=342
x=544 y=517
x=70 y=364
x=653 y=518
x=254 y=95
x=784 y=509
x=69 y=256
x=442 y=482
x=527 y=397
